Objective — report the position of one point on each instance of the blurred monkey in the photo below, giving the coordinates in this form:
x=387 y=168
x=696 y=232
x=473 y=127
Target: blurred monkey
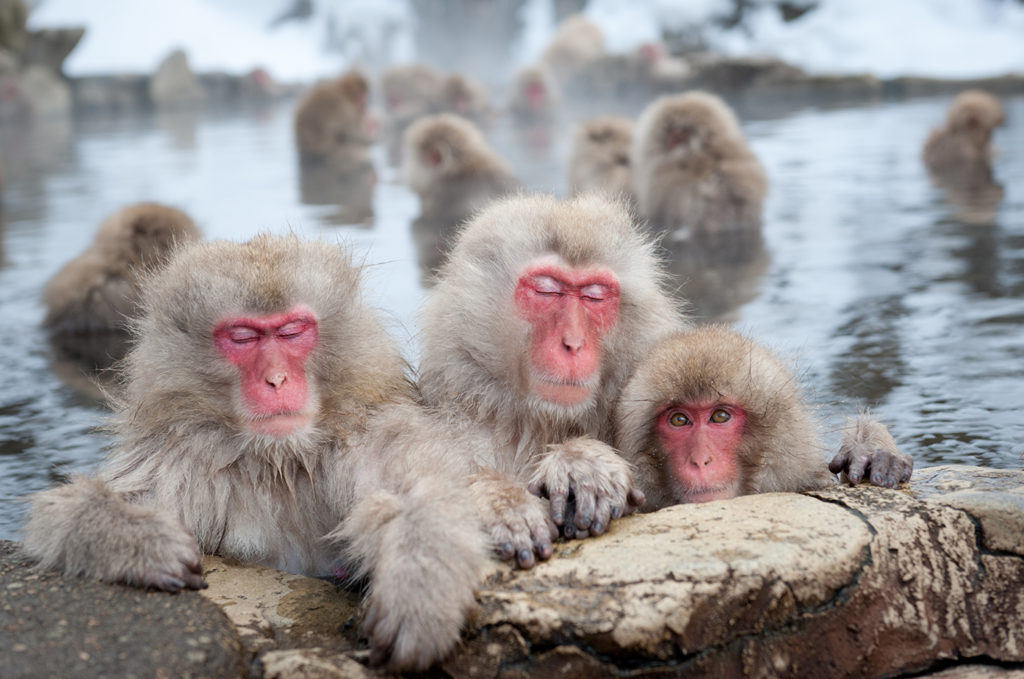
x=599 y=160
x=332 y=125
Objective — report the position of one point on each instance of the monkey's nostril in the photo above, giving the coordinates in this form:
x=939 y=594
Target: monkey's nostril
x=277 y=379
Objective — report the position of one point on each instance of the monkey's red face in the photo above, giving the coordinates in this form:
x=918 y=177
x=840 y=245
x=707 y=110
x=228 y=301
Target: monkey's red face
x=570 y=310
x=536 y=95
x=270 y=353
x=701 y=442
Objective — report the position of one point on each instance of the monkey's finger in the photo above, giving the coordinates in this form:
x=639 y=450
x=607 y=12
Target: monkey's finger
x=194 y=581
x=524 y=558
x=839 y=462
x=636 y=499
x=881 y=466
x=855 y=472
x=586 y=506
x=542 y=541
x=558 y=502
x=505 y=551
x=602 y=516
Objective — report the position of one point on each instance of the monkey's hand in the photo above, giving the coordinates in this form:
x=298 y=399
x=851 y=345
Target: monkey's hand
x=516 y=521
x=588 y=484
x=85 y=528
x=869 y=451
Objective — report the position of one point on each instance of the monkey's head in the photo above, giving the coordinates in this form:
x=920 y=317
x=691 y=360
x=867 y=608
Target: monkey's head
x=539 y=304
x=265 y=339
x=535 y=89
x=142 y=236
x=354 y=88
x=975 y=111
x=436 y=146
x=608 y=138
x=689 y=126
x=701 y=411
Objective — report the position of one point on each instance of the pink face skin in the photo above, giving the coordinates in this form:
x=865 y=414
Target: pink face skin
x=570 y=311
x=536 y=95
x=270 y=353
x=701 y=442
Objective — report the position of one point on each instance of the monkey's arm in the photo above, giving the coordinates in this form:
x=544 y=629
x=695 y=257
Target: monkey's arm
x=869 y=451
x=588 y=484
x=85 y=528
x=517 y=521
x=412 y=529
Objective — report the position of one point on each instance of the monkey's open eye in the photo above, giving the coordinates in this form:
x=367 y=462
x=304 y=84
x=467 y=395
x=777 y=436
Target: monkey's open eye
x=720 y=415
x=678 y=419
x=243 y=335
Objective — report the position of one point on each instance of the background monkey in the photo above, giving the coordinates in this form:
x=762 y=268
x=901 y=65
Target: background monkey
x=599 y=160
x=534 y=325
x=332 y=125
x=267 y=416
x=963 y=143
x=710 y=415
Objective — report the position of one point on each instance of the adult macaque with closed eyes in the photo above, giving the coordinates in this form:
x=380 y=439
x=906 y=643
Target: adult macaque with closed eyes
x=447 y=161
x=536 y=321
x=710 y=415
x=332 y=125
x=599 y=160
x=267 y=416
x=694 y=174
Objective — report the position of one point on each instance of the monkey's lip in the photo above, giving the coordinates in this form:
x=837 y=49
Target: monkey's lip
x=709 y=493
x=561 y=391
x=279 y=425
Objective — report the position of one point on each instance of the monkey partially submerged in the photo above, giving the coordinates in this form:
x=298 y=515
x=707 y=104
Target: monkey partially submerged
x=710 y=415
x=267 y=416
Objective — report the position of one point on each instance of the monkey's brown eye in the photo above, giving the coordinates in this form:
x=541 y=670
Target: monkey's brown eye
x=678 y=419
x=720 y=415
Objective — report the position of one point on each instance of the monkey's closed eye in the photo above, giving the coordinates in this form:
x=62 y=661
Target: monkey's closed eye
x=243 y=335
x=545 y=285
x=678 y=419
x=292 y=330
x=720 y=415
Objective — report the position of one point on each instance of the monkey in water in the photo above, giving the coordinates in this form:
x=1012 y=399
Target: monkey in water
x=694 y=173
x=267 y=416
x=711 y=415
x=536 y=97
x=447 y=161
x=537 y=319
x=332 y=125
x=89 y=301
x=599 y=160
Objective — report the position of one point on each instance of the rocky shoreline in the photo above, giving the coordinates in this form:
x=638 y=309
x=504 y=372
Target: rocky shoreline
x=843 y=582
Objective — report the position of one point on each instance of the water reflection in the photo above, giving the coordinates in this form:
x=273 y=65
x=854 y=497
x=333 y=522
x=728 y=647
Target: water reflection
x=348 y=190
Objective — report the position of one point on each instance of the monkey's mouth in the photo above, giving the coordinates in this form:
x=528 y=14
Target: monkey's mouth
x=562 y=392
x=280 y=425
x=724 y=491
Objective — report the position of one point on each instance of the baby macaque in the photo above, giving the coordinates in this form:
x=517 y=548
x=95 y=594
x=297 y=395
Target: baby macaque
x=535 y=96
x=536 y=322
x=90 y=300
x=599 y=160
x=332 y=125
x=577 y=41
x=268 y=416
x=963 y=144
x=710 y=415
x=447 y=161
x=694 y=174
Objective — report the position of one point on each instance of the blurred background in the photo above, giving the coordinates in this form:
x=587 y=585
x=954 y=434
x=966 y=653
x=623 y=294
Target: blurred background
x=887 y=290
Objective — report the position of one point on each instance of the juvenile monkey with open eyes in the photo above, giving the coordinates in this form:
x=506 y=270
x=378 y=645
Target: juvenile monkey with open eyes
x=599 y=160
x=694 y=173
x=267 y=416
x=535 y=323
x=710 y=415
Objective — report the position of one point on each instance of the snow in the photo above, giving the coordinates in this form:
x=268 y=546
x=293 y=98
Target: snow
x=940 y=38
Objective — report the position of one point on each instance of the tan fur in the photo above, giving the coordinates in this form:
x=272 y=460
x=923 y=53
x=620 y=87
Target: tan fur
x=468 y=176
x=410 y=91
x=781 y=449
x=464 y=96
x=475 y=347
x=709 y=185
x=963 y=142
x=331 y=124
x=185 y=458
x=577 y=41
x=99 y=290
x=599 y=160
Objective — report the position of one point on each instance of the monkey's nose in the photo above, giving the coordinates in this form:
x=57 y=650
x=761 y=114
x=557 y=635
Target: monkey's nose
x=277 y=379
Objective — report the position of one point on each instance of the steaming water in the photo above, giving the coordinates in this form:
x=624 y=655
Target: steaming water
x=870 y=283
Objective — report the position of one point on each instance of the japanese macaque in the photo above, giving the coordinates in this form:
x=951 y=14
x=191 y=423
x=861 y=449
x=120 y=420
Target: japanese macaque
x=447 y=161
x=599 y=160
x=463 y=96
x=268 y=416
x=536 y=321
x=694 y=174
x=710 y=415
x=332 y=125
x=643 y=72
x=89 y=301
x=535 y=96
x=410 y=91
x=958 y=156
x=577 y=41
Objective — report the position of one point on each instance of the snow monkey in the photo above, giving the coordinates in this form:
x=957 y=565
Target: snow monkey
x=536 y=321
x=267 y=416
x=710 y=415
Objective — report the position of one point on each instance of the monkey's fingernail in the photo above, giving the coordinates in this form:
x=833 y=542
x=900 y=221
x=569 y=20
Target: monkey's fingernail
x=545 y=551
x=616 y=512
x=506 y=551
x=597 y=528
x=525 y=558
